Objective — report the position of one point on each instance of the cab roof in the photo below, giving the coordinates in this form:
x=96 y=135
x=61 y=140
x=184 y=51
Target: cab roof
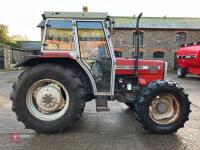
x=79 y=15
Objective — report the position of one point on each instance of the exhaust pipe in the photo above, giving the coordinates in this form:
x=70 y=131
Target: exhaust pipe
x=137 y=46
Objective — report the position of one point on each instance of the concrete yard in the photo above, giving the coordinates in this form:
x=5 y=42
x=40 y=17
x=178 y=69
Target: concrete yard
x=116 y=129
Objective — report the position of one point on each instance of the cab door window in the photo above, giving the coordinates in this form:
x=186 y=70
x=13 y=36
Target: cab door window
x=94 y=52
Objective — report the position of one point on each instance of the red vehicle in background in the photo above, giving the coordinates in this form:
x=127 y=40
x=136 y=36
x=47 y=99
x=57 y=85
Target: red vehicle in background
x=188 y=59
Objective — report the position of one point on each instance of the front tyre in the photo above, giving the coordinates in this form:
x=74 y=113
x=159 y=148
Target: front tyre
x=48 y=98
x=163 y=107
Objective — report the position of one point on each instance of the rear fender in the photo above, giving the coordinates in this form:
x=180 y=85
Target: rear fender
x=46 y=56
x=28 y=61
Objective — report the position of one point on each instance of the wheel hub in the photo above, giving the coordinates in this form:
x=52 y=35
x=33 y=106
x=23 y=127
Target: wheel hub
x=161 y=107
x=164 y=109
x=49 y=98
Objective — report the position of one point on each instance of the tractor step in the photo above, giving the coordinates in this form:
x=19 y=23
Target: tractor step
x=101 y=104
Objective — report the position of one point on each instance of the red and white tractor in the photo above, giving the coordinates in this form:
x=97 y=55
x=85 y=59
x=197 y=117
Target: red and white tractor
x=77 y=64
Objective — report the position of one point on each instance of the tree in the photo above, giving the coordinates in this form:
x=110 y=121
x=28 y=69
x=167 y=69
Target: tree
x=4 y=37
x=20 y=37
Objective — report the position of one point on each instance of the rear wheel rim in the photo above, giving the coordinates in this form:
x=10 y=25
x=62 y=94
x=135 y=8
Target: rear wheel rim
x=164 y=109
x=47 y=100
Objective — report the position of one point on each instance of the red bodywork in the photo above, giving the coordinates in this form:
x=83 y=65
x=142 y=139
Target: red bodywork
x=149 y=70
x=189 y=58
x=60 y=54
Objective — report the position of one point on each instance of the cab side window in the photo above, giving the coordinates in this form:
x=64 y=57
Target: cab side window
x=59 y=36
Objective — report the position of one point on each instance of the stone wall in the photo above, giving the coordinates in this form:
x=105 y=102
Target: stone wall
x=7 y=57
x=153 y=40
x=1 y=58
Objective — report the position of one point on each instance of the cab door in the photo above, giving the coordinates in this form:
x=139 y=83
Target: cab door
x=96 y=54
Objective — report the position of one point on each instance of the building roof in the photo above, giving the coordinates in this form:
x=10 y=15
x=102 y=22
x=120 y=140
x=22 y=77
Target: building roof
x=145 y=22
x=30 y=45
x=158 y=23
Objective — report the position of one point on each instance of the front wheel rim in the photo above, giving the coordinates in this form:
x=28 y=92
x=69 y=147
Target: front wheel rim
x=50 y=111
x=164 y=109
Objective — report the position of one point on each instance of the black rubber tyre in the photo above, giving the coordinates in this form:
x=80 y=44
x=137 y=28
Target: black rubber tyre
x=48 y=71
x=131 y=105
x=181 y=72
x=148 y=94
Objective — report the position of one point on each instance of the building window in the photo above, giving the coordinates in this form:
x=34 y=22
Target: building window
x=140 y=38
x=158 y=55
x=118 y=54
x=140 y=55
x=181 y=37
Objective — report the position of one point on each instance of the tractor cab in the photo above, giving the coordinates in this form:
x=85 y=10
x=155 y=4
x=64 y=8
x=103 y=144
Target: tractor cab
x=84 y=37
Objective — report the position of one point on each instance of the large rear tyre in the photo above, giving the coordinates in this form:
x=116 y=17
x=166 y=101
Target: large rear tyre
x=48 y=98
x=181 y=72
x=163 y=107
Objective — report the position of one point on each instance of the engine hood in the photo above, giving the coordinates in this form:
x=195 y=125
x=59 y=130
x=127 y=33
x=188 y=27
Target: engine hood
x=146 y=67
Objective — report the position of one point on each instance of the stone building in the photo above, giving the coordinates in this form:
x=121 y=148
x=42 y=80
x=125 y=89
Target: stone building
x=5 y=56
x=159 y=37
x=1 y=58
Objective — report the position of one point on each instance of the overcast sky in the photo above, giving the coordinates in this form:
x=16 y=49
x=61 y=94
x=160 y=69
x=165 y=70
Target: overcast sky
x=22 y=16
